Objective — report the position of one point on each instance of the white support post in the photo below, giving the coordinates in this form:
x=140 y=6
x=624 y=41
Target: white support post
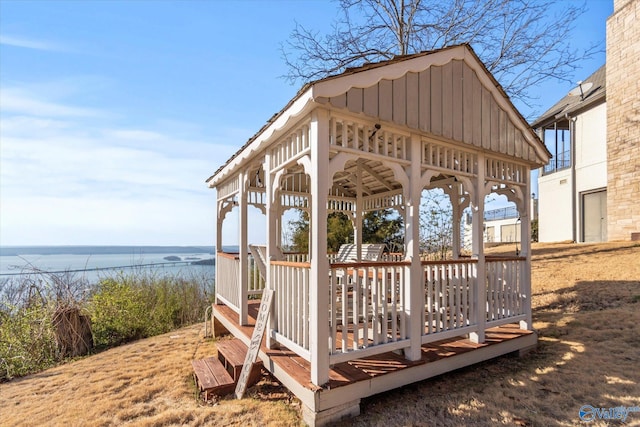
x=358 y=229
x=271 y=231
x=414 y=289
x=455 y=211
x=478 y=253
x=219 y=221
x=243 y=295
x=525 y=244
x=318 y=291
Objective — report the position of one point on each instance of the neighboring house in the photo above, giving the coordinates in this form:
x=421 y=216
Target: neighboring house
x=589 y=191
x=573 y=185
x=501 y=225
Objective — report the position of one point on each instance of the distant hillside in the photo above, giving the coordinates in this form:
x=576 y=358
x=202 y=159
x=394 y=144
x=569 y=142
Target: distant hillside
x=102 y=250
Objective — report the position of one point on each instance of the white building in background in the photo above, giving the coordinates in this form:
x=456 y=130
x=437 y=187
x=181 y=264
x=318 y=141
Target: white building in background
x=590 y=190
x=573 y=185
x=500 y=225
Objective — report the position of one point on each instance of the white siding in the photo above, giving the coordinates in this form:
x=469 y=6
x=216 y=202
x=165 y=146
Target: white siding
x=591 y=157
x=555 y=210
x=448 y=101
x=554 y=218
x=504 y=230
x=591 y=149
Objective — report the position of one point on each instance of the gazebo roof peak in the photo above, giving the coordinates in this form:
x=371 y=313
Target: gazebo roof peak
x=331 y=91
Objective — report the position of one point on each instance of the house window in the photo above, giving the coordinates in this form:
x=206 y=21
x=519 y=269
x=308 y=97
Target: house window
x=557 y=139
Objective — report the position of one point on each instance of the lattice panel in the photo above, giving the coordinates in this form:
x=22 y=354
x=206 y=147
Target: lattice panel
x=228 y=188
x=501 y=170
x=338 y=204
x=296 y=183
x=449 y=158
x=257 y=197
x=294 y=200
x=291 y=146
x=369 y=139
x=384 y=201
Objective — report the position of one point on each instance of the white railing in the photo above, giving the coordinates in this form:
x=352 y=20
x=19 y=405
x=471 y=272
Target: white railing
x=291 y=308
x=505 y=297
x=229 y=187
x=366 y=137
x=442 y=156
x=256 y=282
x=393 y=199
x=296 y=257
x=366 y=309
x=449 y=304
x=292 y=145
x=393 y=257
x=227 y=279
x=367 y=306
x=502 y=170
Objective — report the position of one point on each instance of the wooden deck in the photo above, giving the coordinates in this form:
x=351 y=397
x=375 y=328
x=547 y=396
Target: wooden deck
x=368 y=368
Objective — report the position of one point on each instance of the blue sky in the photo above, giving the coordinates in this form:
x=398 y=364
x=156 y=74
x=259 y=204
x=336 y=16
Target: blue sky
x=113 y=113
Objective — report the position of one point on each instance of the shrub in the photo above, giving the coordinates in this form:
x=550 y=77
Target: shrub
x=117 y=313
x=129 y=307
x=38 y=309
x=27 y=342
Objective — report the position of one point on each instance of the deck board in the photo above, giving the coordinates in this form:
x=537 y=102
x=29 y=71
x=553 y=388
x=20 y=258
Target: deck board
x=366 y=368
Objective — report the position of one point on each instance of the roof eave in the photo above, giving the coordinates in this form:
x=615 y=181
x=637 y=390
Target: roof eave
x=571 y=111
x=299 y=105
x=594 y=102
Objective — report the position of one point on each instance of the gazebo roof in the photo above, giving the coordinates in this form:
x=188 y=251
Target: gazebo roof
x=447 y=93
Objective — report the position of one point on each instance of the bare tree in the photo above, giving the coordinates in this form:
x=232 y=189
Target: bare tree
x=436 y=225
x=519 y=41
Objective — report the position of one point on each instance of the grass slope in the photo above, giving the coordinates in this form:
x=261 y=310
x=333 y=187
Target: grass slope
x=586 y=301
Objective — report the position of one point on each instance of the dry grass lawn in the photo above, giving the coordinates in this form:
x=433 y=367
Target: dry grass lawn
x=586 y=310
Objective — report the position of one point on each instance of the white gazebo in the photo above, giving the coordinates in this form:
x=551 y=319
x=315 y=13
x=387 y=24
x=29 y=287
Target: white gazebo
x=374 y=138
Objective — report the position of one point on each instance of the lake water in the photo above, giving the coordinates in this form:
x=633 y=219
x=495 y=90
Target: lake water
x=95 y=262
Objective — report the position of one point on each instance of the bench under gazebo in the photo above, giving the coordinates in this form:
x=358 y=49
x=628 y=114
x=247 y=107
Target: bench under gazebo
x=374 y=138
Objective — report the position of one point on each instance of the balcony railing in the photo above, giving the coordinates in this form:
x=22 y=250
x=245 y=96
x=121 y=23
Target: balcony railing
x=559 y=162
x=502 y=213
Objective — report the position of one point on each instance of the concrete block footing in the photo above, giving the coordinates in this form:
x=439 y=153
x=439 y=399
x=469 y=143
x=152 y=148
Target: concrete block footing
x=331 y=415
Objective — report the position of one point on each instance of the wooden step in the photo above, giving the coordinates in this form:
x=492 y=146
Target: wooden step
x=212 y=378
x=231 y=353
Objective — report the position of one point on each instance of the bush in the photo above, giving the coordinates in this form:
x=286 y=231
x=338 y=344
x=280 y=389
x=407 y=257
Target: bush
x=130 y=307
x=35 y=307
x=117 y=313
x=534 y=230
x=27 y=342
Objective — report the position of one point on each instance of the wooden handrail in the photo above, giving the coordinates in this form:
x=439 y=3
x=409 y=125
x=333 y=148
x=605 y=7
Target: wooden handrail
x=451 y=261
x=291 y=264
x=490 y=258
x=354 y=265
x=228 y=255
